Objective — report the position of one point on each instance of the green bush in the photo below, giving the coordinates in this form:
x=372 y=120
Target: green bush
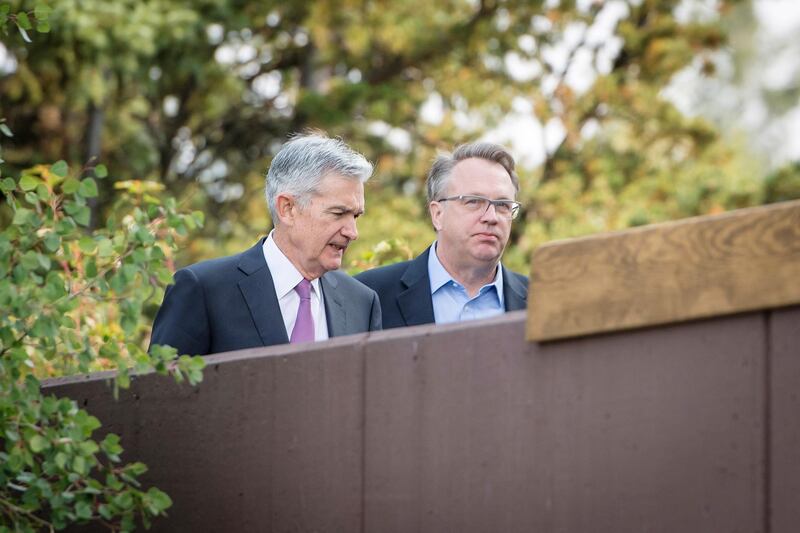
x=72 y=302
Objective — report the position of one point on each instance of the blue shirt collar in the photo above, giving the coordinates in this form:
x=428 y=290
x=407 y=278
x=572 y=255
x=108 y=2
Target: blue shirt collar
x=440 y=277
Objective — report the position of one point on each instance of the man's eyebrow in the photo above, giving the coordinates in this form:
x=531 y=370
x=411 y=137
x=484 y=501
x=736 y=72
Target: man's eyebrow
x=503 y=199
x=346 y=209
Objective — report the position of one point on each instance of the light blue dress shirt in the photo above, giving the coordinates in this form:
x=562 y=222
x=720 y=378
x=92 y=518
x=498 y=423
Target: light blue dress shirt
x=450 y=300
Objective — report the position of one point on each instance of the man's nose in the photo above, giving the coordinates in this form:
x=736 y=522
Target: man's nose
x=490 y=214
x=350 y=230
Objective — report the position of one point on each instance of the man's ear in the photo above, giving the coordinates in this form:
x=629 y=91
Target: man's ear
x=436 y=210
x=286 y=207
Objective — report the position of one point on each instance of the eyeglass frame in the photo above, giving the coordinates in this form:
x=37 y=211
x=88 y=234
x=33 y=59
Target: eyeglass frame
x=515 y=206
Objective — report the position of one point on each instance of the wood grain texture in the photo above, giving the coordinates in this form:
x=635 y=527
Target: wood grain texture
x=699 y=267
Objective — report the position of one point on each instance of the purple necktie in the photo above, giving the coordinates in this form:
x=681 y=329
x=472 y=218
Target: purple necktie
x=304 y=325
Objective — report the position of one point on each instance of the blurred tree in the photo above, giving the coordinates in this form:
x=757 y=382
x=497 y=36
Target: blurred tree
x=199 y=96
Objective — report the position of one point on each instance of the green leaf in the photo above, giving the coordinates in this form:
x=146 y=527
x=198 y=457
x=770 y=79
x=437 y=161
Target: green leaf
x=22 y=216
x=123 y=380
x=65 y=226
x=105 y=247
x=30 y=260
x=61 y=460
x=88 y=188
x=93 y=487
x=88 y=447
x=136 y=469
x=52 y=241
x=199 y=218
x=105 y=511
x=23 y=21
x=100 y=171
x=5 y=130
x=83 y=510
x=113 y=482
x=8 y=185
x=159 y=500
x=43 y=193
x=110 y=444
x=28 y=182
x=82 y=216
x=42 y=26
x=42 y=11
x=59 y=168
x=38 y=444
x=87 y=245
x=91 y=268
x=44 y=261
x=79 y=465
x=87 y=422
x=124 y=500
x=70 y=186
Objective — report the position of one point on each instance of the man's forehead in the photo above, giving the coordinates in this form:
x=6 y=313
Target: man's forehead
x=335 y=183
x=479 y=173
x=479 y=165
x=354 y=205
x=346 y=201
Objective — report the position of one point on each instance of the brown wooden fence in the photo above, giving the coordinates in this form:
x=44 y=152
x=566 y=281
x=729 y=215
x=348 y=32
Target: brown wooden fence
x=685 y=427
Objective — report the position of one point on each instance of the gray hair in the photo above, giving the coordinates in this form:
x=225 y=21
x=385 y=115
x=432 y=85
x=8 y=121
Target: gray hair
x=442 y=168
x=301 y=164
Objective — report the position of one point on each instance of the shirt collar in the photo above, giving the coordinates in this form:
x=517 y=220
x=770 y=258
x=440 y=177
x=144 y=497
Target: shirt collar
x=440 y=277
x=285 y=275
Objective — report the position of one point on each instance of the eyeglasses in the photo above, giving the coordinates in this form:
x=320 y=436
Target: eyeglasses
x=480 y=204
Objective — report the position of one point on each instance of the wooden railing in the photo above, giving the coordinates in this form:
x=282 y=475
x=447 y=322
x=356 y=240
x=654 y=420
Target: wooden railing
x=744 y=260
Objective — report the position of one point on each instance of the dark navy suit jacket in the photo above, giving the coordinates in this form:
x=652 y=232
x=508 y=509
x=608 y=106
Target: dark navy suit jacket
x=230 y=303
x=405 y=291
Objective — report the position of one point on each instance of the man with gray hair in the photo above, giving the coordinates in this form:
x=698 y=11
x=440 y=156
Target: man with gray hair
x=286 y=288
x=471 y=200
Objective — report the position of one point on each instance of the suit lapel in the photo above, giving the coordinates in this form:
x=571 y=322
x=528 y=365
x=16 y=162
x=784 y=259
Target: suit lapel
x=415 y=302
x=515 y=294
x=258 y=290
x=334 y=308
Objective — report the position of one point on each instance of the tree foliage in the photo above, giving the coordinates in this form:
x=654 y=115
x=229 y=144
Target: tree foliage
x=198 y=97
x=72 y=302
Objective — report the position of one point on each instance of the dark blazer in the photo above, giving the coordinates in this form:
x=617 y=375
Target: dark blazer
x=405 y=291
x=230 y=303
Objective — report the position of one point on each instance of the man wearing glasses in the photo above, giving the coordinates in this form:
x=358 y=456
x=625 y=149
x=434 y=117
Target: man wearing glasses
x=471 y=199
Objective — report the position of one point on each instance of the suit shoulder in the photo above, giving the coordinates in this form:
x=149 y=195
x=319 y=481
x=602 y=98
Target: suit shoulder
x=519 y=277
x=382 y=275
x=213 y=268
x=349 y=283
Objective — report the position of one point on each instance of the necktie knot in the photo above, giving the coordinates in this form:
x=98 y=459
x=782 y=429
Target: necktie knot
x=303 y=289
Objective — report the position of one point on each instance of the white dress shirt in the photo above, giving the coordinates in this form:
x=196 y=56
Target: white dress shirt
x=285 y=277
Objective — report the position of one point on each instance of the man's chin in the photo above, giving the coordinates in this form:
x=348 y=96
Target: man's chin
x=487 y=253
x=332 y=264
